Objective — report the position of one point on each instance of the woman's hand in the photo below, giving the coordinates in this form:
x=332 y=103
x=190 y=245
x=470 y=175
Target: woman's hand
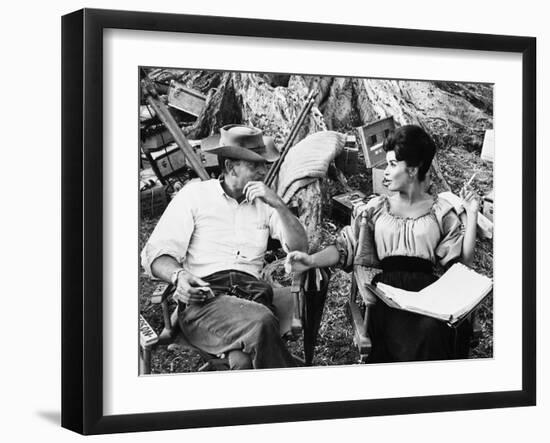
x=297 y=261
x=470 y=200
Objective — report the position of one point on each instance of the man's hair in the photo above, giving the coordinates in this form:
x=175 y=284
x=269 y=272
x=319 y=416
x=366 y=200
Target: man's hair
x=413 y=145
x=221 y=163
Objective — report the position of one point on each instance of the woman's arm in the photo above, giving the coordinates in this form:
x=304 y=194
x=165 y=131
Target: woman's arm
x=297 y=261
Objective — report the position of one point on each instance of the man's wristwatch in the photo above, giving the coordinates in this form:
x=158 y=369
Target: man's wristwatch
x=174 y=276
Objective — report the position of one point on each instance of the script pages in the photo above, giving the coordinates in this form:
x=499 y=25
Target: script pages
x=450 y=298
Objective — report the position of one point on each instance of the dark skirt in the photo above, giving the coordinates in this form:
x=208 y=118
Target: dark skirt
x=399 y=335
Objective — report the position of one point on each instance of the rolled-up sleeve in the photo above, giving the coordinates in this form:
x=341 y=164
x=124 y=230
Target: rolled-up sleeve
x=354 y=248
x=346 y=244
x=276 y=228
x=172 y=234
x=450 y=246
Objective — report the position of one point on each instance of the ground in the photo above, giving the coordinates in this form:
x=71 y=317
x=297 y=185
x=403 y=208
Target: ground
x=335 y=342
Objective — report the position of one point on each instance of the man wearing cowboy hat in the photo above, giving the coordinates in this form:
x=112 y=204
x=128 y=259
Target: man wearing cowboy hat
x=210 y=243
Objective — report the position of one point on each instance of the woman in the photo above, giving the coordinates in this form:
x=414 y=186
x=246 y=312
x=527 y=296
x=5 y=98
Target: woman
x=406 y=235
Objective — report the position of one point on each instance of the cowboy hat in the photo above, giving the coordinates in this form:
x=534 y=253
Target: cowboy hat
x=241 y=142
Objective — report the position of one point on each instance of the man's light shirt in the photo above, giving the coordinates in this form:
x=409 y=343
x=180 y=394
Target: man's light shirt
x=207 y=231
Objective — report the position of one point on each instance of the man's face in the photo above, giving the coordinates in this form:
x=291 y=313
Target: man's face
x=246 y=171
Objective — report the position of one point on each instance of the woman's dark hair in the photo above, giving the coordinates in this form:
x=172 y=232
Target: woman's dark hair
x=413 y=145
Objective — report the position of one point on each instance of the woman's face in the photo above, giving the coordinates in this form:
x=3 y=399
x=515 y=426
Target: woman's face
x=396 y=174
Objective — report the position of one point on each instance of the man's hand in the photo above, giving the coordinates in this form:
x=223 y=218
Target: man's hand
x=470 y=200
x=255 y=189
x=297 y=261
x=192 y=289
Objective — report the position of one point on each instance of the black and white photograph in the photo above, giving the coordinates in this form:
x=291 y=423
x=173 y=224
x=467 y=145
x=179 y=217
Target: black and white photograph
x=275 y=222
x=273 y=227
x=289 y=220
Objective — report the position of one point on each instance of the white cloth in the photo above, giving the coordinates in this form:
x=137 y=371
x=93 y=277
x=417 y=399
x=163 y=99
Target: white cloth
x=307 y=161
x=207 y=231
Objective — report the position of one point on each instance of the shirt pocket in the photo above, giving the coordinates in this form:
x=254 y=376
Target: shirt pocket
x=255 y=243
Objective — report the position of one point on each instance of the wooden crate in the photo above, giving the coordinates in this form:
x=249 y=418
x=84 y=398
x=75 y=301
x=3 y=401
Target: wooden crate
x=146 y=113
x=168 y=160
x=157 y=140
x=209 y=161
x=371 y=138
x=347 y=160
x=185 y=99
x=171 y=159
x=343 y=205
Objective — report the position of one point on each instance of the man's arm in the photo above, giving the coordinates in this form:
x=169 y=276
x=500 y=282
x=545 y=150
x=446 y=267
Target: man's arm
x=189 y=288
x=163 y=267
x=292 y=231
x=167 y=246
x=171 y=235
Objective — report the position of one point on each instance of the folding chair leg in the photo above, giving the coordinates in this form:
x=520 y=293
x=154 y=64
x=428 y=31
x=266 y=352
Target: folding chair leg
x=360 y=337
x=145 y=360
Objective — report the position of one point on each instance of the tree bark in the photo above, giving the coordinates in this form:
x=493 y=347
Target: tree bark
x=222 y=108
x=453 y=113
x=309 y=200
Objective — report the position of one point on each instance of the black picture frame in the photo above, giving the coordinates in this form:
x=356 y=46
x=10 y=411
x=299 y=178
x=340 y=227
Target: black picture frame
x=82 y=219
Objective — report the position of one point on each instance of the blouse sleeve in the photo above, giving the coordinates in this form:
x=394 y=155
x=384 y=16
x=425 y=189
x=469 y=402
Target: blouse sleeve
x=452 y=231
x=351 y=250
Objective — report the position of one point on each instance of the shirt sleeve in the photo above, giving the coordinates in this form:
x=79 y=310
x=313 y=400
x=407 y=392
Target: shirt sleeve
x=276 y=227
x=173 y=232
x=450 y=246
x=347 y=241
x=346 y=244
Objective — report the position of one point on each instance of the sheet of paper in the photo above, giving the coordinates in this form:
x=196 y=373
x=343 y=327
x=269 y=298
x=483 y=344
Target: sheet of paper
x=455 y=293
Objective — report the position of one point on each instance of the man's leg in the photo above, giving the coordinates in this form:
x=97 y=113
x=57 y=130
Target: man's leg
x=227 y=323
x=239 y=360
x=242 y=285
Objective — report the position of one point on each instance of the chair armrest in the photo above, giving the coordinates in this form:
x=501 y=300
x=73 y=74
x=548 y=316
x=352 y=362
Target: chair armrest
x=160 y=296
x=363 y=276
x=297 y=292
x=161 y=292
x=147 y=335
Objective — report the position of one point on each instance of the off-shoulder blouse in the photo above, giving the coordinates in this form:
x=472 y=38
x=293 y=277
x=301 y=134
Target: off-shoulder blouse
x=436 y=235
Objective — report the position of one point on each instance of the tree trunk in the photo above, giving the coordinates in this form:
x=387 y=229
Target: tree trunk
x=222 y=108
x=309 y=200
x=453 y=113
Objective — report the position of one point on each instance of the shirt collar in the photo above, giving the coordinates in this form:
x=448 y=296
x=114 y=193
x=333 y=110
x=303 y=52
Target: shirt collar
x=219 y=186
